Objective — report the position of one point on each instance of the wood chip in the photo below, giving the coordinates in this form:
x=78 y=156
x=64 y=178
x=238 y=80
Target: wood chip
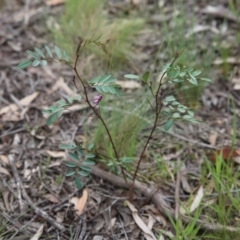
x=213 y=138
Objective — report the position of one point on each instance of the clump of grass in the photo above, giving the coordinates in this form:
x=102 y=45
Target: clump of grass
x=124 y=128
x=226 y=207
x=86 y=19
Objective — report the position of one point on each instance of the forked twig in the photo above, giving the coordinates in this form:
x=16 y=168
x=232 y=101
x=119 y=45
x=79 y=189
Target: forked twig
x=157 y=109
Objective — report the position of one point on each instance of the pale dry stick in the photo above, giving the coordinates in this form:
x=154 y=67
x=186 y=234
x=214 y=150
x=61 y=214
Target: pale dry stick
x=16 y=177
x=18 y=228
x=124 y=230
x=80 y=229
x=12 y=132
x=158 y=200
x=15 y=224
x=23 y=227
x=26 y=13
x=83 y=228
x=110 y=214
x=177 y=189
x=36 y=209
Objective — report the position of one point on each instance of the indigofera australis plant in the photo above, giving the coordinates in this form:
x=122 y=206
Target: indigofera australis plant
x=165 y=108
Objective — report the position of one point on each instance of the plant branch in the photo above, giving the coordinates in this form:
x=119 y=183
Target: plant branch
x=96 y=112
x=158 y=108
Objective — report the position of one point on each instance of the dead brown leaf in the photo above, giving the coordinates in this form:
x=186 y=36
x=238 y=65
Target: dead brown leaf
x=80 y=203
x=10 y=112
x=4 y=159
x=60 y=84
x=60 y=217
x=149 y=234
x=38 y=234
x=201 y=28
x=112 y=223
x=56 y=154
x=231 y=60
x=129 y=84
x=197 y=200
x=220 y=11
x=4 y=171
x=5 y=195
x=226 y=152
x=51 y=198
x=54 y=2
x=185 y=185
x=236 y=82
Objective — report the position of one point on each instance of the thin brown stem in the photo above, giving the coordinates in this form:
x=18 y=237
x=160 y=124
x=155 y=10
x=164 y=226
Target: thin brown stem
x=98 y=115
x=158 y=108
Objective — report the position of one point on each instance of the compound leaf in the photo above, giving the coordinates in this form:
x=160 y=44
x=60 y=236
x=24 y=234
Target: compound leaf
x=74 y=156
x=70 y=173
x=67 y=146
x=70 y=164
x=39 y=51
x=86 y=168
x=169 y=99
x=89 y=162
x=83 y=173
x=35 y=63
x=146 y=76
x=131 y=76
x=58 y=52
x=32 y=54
x=168 y=124
x=196 y=73
x=44 y=63
x=24 y=64
x=48 y=51
x=206 y=79
x=78 y=183
x=52 y=118
x=66 y=56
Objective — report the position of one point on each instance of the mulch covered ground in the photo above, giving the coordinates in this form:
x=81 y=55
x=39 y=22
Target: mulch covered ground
x=36 y=198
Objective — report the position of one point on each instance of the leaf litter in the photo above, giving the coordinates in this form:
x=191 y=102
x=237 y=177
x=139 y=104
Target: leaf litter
x=38 y=160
